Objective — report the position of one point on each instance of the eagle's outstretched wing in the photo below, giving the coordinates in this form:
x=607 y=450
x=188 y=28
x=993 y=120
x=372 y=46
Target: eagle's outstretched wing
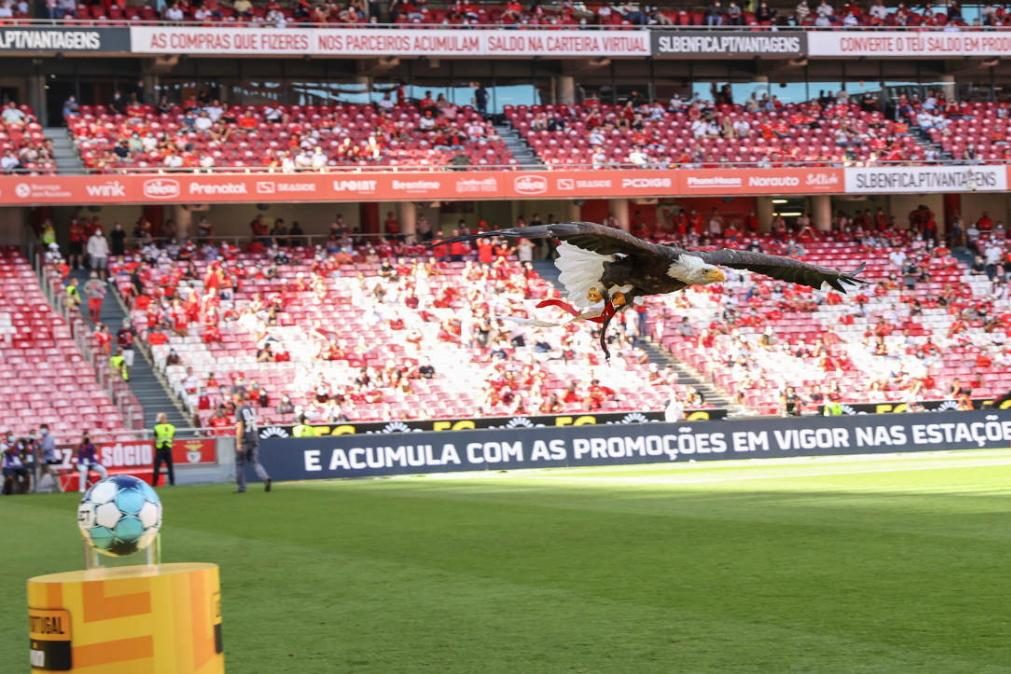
x=585 y=235
x=782 y=268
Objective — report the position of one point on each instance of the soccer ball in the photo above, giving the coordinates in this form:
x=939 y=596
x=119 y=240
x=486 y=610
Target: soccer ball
x=119 y=516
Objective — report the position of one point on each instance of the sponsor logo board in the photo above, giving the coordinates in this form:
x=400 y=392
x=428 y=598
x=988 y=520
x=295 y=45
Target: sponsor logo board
x=223 y=40
x=162 y=188
x=728 y=44
x=909 y=44
x=922 y=179
x=58 y=39
x=530 y=184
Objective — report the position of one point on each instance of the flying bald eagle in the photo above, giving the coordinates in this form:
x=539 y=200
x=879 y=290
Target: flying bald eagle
x=605 y=270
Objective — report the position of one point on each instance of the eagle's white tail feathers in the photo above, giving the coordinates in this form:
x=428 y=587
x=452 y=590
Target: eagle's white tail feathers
x=580 y=270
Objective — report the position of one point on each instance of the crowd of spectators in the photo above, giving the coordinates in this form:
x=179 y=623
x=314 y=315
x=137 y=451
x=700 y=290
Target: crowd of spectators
x=417 y=336
x=204 y=134
x=23 y=146
x=421 y=336
x=924 y=320
x=695 y=132
x=819 y=14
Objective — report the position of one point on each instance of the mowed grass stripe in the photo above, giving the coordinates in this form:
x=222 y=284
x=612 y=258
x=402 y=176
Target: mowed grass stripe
x=865 y=572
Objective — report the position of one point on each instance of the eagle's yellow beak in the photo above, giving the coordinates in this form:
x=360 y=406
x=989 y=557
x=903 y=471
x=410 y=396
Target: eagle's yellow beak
x=715 y=275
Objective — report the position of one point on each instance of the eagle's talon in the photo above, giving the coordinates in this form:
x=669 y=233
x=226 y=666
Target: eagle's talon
x=618 y=299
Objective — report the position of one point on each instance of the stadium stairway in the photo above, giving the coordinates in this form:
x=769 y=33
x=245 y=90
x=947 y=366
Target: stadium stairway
x=64 y=153
x=664 y=360
x=144 y=382
x=923 y=139
x=522 y=152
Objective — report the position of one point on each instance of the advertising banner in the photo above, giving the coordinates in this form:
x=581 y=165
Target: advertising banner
x=720 y=182
x=429 y=425
x=66 y=40
x=194 y=452
x=509 y=449
x=197 y=188
x=709 y=44
x=356 y=42
x=136 y=457
x=919 y=406
x=379 y=186
x=908 y=44
x=922 y=179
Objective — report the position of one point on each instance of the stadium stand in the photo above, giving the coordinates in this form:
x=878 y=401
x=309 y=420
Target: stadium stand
x=399 y=316
x=23 y=146
x=923 y=321
x=918 y=326
x=697 y=133
x=969 y=131
x=44 y=378
x=284 y=138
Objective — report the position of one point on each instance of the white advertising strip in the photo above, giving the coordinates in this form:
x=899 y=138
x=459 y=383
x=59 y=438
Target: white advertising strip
x=230 y=41
x=907 y=44
x=922 y=179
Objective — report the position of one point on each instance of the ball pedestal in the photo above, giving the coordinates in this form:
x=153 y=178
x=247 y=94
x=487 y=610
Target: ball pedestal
x=142 y=619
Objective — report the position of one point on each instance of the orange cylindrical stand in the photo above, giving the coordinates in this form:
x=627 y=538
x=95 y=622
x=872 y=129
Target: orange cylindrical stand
x=161 y=619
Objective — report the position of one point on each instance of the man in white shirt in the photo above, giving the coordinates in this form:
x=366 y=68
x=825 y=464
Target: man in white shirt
x=174 y=13
x=637 y=158
x=898 y=258
x=13 y=115
x=9 y=162
x=203 y=122
x=319 y=159
x=98 y=253
x=674 y=411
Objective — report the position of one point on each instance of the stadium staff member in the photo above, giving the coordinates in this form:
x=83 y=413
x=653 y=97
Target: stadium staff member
x=73 y=293
x=247 y=441
x=164 y=435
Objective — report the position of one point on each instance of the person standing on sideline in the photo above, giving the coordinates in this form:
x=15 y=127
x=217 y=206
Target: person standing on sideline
x=48 y=459
x=164 y=435
x=247 y=441
x=98 y=253
x=87 y=461
x=95 y=291
x=674 y=411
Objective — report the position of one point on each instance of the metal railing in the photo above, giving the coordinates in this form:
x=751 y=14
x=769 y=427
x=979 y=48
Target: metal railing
x=515 y=168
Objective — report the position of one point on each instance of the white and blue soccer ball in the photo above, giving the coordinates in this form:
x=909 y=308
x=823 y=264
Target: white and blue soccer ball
x=120 y=515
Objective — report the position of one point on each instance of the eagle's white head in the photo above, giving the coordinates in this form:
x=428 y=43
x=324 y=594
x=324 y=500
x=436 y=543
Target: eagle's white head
x=694 y=271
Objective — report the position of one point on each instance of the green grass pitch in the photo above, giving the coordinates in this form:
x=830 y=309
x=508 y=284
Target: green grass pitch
x=893 y=564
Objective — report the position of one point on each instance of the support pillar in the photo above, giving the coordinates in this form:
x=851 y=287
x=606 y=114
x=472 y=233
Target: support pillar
x=765 y=212
x=573 y=212
x=566 y=89
x=184 y=221
x=408 y=217
x=948 y=87
x=821 y=212
x=619 y=208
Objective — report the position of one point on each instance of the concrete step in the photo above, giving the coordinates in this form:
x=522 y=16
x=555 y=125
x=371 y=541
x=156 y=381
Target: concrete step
x=64 y=152
x=144 y=383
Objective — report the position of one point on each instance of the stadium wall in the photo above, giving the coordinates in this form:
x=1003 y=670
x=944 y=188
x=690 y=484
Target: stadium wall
x=413 y=453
